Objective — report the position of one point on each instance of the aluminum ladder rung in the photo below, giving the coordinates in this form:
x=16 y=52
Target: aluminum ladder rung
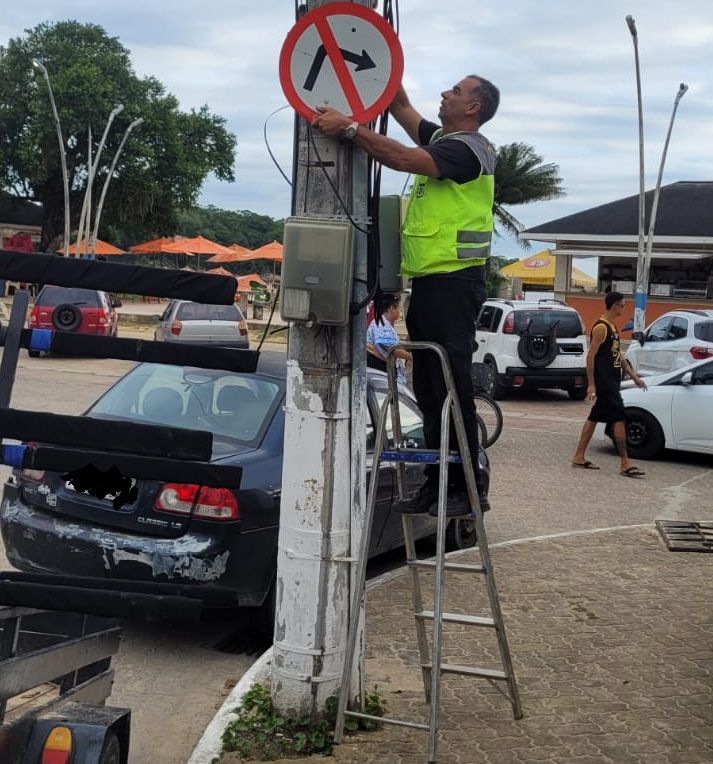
x=456 y=567
x=417 y=455
x=387 y=720
x=468 y=620
x=453 y=668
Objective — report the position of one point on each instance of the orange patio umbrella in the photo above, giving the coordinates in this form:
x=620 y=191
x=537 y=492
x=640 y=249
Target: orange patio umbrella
x=197 y=245
x=271 y=251
x=237 y=254
x=156 y=246
x=220 y=272
x=244 y=282
x=101 y=248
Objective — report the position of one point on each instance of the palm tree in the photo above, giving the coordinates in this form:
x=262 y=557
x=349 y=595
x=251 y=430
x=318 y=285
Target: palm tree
x=521 y=178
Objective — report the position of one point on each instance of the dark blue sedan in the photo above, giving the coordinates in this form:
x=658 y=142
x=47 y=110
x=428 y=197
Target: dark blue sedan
x=178 y=533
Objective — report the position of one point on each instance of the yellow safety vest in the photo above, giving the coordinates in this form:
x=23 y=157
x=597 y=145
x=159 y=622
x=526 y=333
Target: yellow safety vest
x=448 y=225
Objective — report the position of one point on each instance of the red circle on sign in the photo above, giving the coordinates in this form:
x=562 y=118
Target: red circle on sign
x=318 y=17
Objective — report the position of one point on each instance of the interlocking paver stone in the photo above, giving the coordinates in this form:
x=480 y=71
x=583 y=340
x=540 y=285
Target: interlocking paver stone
x=611 y=637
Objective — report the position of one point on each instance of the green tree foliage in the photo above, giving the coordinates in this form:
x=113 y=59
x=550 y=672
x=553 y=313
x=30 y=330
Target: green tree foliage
x=230 y=227
x=521 y=177
x=164 y=162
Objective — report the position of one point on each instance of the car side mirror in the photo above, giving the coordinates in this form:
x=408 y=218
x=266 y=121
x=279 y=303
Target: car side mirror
x=115 y=303
x=639 y=337
x=687 y=378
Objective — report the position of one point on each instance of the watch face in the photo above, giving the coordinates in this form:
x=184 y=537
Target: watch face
x=351 y=131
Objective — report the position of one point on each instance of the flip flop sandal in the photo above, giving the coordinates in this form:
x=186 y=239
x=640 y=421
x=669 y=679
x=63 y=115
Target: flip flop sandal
x=585 y=465
x=632 y=472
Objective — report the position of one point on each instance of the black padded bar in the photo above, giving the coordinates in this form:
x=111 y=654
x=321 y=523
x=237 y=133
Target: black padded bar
x=140 y=467
x=125 y=348
x=101 y=434
x=115 y=277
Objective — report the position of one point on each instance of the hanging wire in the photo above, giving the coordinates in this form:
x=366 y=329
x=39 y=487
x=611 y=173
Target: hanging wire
x=267 y=143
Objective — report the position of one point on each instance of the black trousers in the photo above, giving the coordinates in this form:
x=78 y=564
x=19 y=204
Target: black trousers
x=443 y=309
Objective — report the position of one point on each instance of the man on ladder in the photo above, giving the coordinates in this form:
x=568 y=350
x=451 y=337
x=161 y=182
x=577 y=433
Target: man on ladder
x=445 y=244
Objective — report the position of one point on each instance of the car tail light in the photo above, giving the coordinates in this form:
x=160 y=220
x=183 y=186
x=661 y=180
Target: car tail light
x=509 y=325
x=204 y=502
x=58 y=746
x=699 y=352
x=34 y=315
x=176 y=327
x=518 y=381
x=102 y=317
x=242 y=328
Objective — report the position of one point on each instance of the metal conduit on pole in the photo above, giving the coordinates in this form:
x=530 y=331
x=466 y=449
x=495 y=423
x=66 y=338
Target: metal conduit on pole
x=655 y=204
x=641 y=273
x=62 y=155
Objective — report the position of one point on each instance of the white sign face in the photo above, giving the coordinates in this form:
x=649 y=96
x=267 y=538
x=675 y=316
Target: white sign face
x=344 y=56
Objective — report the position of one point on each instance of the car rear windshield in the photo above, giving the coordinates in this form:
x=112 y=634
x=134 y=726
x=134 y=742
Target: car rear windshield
x=195 y=311
x=230 y=405
x=54 y=295
x=704 y=331
x=542 y=320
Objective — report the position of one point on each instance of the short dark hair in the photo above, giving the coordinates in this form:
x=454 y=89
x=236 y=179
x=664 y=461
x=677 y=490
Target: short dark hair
x=612 y=298
x=489 y=97
x=389 y=301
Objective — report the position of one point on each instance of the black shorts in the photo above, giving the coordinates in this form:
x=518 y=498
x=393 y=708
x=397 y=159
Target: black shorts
x=608 y=407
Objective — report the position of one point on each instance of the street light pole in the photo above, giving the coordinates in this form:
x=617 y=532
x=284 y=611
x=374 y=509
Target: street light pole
x=63 y=157
x=100 y=205
x=642 y=286
x=655 y=204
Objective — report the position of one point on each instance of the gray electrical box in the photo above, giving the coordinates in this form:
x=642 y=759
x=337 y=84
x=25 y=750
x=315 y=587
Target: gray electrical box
x=390 y=243
x=317 y=270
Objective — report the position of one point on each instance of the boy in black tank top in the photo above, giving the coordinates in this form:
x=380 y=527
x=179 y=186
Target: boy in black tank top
x=604 y=372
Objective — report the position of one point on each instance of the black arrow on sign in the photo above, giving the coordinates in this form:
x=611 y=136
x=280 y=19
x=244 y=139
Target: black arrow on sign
x=363 y=61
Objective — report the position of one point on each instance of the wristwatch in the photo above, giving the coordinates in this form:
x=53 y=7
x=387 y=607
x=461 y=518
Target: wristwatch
x=350 y=131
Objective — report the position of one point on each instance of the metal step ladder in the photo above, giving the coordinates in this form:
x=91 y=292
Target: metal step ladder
x=503 y=680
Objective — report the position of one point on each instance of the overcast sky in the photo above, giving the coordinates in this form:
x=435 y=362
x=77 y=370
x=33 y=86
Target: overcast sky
x=565 y=70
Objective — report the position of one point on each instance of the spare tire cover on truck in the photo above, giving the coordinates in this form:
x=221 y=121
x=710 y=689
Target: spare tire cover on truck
x=537 y=351
x=66 y=317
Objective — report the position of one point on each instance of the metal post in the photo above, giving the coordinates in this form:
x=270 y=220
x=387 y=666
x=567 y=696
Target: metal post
x=655 y=204
x=642 y=286
x=63 y=157
x=100 y=205
x=314 y=546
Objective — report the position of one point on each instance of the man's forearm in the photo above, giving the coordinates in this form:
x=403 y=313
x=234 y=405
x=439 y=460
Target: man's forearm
x=386 y=150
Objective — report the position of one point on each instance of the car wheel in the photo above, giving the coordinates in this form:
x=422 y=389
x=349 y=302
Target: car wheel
x=492 y=384
x=34 y=353
x=66 y=317
x=266 y=614
x=644 y=436
x=577 y=393
x=460 y=534
x=537 y=351
x=111 y=750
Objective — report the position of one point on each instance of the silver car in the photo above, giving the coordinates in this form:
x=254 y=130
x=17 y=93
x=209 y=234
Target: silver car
x=185 y=321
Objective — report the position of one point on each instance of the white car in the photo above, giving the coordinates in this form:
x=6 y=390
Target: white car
x=672 y=341
x=676 y=411
x=527 y=344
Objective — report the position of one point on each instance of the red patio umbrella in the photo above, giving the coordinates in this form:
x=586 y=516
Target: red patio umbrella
x=156 y=246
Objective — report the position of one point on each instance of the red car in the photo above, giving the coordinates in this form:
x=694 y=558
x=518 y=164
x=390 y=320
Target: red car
x=70 y=309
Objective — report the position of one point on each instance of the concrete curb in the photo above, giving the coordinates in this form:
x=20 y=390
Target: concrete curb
x=211 y=744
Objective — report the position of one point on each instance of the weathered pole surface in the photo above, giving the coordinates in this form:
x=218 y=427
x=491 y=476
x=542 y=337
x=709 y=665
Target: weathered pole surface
x=323 y=470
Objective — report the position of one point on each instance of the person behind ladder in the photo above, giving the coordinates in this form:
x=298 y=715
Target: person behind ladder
x=445 y=244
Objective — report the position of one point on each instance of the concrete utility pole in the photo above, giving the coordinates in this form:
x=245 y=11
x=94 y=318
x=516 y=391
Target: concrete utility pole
x=324 y=464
